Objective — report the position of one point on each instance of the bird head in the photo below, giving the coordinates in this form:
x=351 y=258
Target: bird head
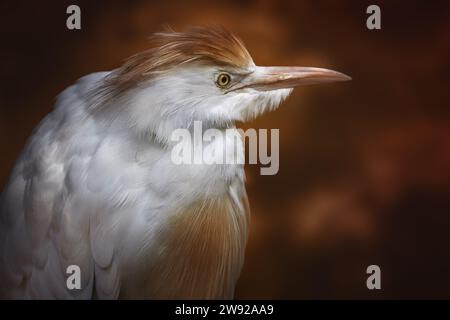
x=203 y=74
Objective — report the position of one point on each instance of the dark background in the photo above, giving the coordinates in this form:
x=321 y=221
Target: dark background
x=364 y=166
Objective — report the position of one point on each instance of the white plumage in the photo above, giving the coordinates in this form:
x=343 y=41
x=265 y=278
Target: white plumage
x=95 y=185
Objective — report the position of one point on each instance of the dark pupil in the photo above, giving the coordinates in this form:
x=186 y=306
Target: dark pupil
x=223 y=80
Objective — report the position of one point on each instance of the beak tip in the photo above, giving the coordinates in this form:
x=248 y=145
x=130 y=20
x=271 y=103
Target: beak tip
x=344 y=77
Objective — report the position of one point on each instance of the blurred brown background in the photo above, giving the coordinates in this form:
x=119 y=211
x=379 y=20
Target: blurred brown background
x=364 y=166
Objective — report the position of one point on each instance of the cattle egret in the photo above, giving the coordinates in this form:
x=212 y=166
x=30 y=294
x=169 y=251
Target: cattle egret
x=95 y=186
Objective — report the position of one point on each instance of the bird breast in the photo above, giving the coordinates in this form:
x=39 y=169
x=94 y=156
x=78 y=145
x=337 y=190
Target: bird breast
x=192 y=228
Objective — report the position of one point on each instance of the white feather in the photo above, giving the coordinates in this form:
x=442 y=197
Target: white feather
x=95 y=188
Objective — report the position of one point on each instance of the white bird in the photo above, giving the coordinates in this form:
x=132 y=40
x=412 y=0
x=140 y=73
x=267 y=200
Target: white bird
x=95 y=185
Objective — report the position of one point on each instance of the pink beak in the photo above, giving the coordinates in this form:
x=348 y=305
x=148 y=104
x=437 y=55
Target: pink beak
x=271 y=78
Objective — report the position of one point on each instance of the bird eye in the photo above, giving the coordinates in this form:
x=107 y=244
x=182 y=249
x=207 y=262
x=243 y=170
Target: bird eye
x=223 y=80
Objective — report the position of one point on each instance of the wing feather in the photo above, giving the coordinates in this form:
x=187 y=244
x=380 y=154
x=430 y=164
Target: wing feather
x=46 y=209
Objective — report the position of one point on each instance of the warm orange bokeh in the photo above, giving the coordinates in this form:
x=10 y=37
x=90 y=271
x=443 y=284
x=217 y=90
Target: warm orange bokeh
x=364 y=166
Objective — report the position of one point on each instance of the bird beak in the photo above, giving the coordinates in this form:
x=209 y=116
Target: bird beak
x=272 y=78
